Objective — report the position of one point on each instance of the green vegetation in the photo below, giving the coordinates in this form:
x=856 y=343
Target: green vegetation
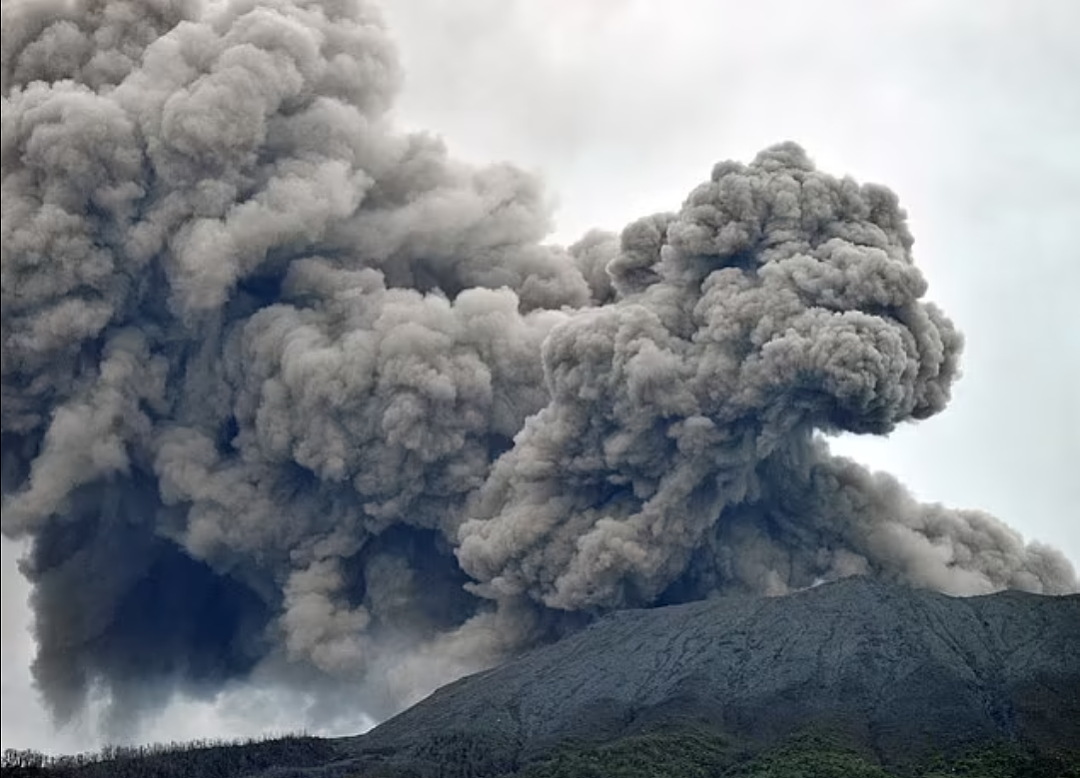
x=686 y=754
x=812 y=755
x=1004 y=761
x=675 y=753
x=458 y=755
x=207 y=758
x=702 y=754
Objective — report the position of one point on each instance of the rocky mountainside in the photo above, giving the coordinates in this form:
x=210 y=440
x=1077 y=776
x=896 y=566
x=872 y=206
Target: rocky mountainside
x=901 y=671
x=893 y=678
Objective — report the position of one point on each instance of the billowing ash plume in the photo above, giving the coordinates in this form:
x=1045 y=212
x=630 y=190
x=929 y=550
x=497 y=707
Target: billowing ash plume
x=286 y=390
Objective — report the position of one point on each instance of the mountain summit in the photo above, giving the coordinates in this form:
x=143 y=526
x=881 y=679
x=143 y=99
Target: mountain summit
x=903 y=672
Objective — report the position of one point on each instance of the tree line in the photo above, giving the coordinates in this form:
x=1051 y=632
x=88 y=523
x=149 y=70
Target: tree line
x=206 y=757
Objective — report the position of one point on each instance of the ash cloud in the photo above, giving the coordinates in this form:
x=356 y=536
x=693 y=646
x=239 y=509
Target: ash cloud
x=290 y=393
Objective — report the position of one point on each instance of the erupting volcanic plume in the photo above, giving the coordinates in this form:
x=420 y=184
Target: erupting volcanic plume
x=285 y=388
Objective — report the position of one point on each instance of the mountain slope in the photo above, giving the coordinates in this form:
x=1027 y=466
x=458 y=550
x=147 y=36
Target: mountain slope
x=904 y=672
x=853 y=678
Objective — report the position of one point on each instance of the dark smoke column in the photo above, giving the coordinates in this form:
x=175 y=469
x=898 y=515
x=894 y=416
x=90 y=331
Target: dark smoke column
x=289 y=392
x=258 y=346
x=677 y=455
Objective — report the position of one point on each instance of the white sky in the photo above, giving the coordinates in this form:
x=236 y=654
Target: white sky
x=969 y=110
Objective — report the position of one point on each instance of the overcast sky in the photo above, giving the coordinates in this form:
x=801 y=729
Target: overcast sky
x=968 y=110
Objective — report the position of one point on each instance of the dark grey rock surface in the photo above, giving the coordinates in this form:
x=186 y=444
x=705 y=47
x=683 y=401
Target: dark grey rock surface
x=903 y=670
x=904 y=673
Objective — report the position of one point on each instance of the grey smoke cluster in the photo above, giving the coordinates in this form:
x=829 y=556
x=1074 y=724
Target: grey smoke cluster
x=289 y=391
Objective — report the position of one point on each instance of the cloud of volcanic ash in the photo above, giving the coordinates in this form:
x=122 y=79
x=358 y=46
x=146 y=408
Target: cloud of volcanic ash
x=290 y=393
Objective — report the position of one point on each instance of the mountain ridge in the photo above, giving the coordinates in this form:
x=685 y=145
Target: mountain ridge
x=903 y=670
